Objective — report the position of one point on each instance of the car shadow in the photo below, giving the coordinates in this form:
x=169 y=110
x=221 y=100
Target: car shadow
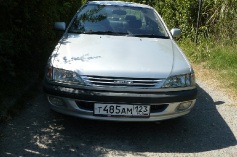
x=203 y=129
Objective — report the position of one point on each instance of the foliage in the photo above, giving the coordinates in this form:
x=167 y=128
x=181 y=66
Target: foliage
x=179 y=13
x=26 y=35
x=26 y=39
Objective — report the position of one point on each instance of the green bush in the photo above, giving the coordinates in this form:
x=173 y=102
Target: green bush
x=27 y=38
x=27 y=35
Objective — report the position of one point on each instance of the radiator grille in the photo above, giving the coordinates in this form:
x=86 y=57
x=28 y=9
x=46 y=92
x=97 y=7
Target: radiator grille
x=122 y=82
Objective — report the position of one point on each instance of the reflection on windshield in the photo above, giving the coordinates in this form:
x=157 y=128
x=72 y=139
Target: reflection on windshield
x=118 y=20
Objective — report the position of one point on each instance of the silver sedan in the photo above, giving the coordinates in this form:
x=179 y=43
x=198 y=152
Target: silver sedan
x=118 y=61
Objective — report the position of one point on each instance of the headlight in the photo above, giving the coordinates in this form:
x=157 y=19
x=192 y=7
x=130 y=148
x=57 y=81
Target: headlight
x=65 y=76
x=180 y=81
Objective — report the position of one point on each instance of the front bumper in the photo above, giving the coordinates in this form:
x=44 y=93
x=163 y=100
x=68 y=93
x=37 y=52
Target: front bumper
x=80 y=102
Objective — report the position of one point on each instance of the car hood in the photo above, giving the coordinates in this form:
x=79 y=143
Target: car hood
x=117 y=56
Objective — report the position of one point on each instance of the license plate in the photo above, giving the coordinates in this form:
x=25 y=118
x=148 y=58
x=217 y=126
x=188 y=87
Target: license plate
x=121 y=110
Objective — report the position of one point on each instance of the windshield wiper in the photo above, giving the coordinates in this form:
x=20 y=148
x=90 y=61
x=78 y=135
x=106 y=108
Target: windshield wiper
x=151 y=36
x=105 y=33
x=120 y=34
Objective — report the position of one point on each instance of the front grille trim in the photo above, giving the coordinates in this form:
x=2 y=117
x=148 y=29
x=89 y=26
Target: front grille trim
x=101 y=81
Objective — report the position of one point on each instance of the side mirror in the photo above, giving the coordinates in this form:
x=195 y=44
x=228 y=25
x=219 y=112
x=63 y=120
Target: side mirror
x=175 y=32
x=61 y=26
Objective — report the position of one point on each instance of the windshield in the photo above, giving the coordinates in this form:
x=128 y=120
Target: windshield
x=118 y=20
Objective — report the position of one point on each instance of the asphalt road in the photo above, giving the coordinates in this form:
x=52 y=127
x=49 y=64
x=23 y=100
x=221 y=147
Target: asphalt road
x=209 y=130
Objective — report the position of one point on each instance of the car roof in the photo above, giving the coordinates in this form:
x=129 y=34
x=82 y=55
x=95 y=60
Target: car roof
x=119 y=3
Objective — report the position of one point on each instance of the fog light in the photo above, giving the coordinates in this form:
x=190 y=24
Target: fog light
x=56 y=101
x=184 y=106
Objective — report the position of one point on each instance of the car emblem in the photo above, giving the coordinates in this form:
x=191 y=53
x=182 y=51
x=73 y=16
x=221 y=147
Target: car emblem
x=123 y=82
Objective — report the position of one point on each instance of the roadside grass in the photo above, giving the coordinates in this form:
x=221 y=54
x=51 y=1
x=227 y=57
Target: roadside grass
x=218 y=56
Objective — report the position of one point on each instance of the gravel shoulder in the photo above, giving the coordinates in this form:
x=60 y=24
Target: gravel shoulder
x=209 y=130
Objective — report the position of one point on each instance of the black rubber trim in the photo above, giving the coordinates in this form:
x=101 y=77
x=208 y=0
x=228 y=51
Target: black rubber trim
x=103 y=96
